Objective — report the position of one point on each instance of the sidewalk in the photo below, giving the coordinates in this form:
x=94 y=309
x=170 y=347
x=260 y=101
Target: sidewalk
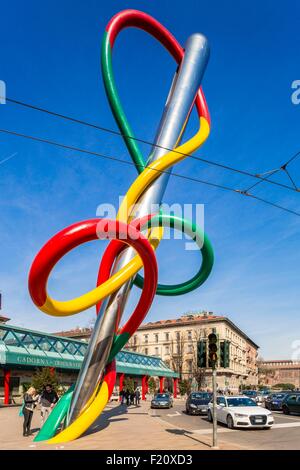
x=118 y=428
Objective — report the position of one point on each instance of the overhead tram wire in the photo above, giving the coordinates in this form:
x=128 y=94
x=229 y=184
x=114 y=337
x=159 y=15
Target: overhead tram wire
x=114 y=132
x=126 y=162
x=277 y=170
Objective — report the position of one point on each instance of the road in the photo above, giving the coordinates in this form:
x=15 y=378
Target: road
x=284 y=435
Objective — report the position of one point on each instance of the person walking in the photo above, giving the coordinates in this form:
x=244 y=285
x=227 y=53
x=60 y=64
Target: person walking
x=137 y=397
x=30 y=400
x=48 y=399
x=122 y=396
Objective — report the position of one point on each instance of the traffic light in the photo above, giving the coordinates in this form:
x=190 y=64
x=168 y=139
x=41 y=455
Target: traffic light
x=224 y=354
x=201 y=354
x=212 y=350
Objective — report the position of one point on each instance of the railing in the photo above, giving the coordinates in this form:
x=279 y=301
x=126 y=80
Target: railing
x=28 y=339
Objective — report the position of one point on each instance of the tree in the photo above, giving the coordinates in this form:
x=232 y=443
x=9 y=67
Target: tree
x=284 y=386
x=43 y=377
x=184 y=387
x=128 y=384
x=177 y=353
x=152 y=385
x=200 y=376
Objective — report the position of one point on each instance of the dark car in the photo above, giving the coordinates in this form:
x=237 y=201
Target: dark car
x=162 y=400
x=274 y=401
x=291 y=403
x=197 y=403
x=255 y=395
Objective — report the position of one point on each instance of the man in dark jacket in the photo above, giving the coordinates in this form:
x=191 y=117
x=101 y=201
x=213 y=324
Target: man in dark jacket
x=47 y=400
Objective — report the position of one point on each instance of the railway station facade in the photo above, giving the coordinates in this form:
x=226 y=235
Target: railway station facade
x=23 y=351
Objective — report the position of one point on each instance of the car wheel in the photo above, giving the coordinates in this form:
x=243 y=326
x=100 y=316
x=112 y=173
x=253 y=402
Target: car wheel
x=229 y=421
x=209 y=416
x=285 y=410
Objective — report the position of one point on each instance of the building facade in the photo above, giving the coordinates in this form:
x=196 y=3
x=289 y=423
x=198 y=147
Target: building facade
x=22 y=351
x=175 y=342
x=279 y=372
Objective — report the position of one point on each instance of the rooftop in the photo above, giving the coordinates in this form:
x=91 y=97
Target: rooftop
x=75 y=332
x=4 y=319
x=186 y=319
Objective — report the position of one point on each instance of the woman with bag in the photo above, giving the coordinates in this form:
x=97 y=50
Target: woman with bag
x=30 y=399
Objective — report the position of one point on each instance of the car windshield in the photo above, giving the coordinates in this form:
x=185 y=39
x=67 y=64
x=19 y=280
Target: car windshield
x=278 y=396
x=240 y=401
x=201 y=396
x=250 y=393
x=165 y=396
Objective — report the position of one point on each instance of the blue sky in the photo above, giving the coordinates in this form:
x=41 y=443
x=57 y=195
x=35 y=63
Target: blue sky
x=50 y=56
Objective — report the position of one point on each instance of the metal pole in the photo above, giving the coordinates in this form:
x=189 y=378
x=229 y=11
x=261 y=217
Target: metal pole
x=185 y=85
x=215 y=423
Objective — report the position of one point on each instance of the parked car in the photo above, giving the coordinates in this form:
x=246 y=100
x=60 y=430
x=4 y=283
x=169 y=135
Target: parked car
x=255 y=395
x=274 y=401
x=291 y=403
x=162 y=400
x=197 y=403
x=240 y=411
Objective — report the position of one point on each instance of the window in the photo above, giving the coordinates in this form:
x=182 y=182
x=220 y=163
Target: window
x=190 y=348
x=134 y=340
x=189 y=335
x=146 y=351
x=221 y=401
x=156 y=352
x=167 y=349
x=177 y=335
x=146 y=339
x=167 y=335
x=190 y=366
x=156 y=338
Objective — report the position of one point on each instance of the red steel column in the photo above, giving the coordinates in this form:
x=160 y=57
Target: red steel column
x=121 y=380
x=175 y=382
x=147 y=387
x=6 y=386
x=52 y=370
x=144 y=387
x=161 y=384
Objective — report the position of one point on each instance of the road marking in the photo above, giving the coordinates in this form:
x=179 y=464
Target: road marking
x=286 y=425
x=209 y=430
x=175 y=414
x=281 y=416
x=222 y=430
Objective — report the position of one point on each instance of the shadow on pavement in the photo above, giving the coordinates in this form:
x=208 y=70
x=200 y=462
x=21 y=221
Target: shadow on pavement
x=183 y=432
x=111 y=415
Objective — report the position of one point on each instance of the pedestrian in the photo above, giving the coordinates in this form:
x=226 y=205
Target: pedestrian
x=137 y=397
x=48 y=399
x=122 y=396
x=127 y=396
x=30 y=401
x=132 y=396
